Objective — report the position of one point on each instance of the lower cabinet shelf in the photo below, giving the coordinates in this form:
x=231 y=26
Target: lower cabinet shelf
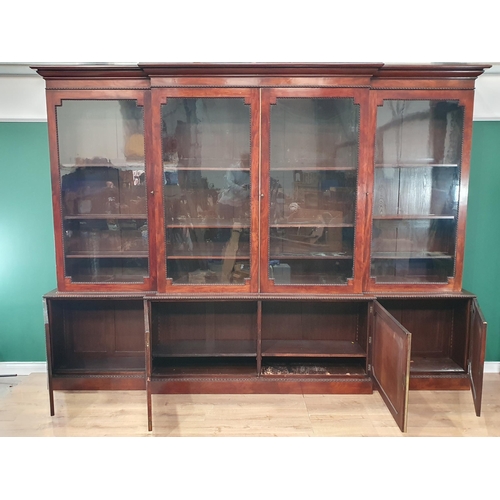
x=313 y=348
x=319 y=367
x=204 y=367
x=264 y=345
x=117 y=381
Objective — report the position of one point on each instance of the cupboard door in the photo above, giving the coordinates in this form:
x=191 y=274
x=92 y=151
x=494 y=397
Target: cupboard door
x=477 y=353
x=311 y=162
x=391 y=345
x=208 y=156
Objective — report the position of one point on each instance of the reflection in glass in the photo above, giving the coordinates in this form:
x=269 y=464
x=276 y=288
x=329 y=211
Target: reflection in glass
x=420 y=250
x=416 y=191
x=431 y=191
x=419 y=133
x=314 y=159
x=103 y=190
x=206 y=168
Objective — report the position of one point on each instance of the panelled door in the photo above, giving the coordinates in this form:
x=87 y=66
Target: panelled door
x=477 y=349
x=390 y=367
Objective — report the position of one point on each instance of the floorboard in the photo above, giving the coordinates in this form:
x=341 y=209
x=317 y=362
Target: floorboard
x=24 y=411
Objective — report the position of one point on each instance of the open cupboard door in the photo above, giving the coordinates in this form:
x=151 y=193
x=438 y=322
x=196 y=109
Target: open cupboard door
x=477 y=350
x=391 y=346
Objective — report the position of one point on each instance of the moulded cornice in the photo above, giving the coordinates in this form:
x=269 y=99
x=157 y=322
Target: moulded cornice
x=89 y=72
x=260 y=69
x=367 y=70
x=431 y=71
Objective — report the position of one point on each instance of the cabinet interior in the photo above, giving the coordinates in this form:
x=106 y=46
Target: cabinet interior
x=97 y=336
x=204 y=337
x=314 y=339
x=439 y=329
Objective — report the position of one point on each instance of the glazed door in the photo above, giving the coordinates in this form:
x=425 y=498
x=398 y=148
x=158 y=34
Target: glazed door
x=477 y=354
x=390 y=366
x=420 y=177
x=312 y=169
x=206 y=145
x=101 y=183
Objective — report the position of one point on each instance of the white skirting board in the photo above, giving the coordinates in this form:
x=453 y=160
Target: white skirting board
x=22 y=367
x=25 y=368
x=492 y=367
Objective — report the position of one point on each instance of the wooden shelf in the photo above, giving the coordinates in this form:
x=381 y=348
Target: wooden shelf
x=208 y=257
x=420 y=364
x=120 y=364
x=205 y=367
x=314 y=279
x=210 y=169
x=398 y=280
x=274 y=368
x=123 y=164
x=293 y=168
x=312 y=348
x=414 y=217
x=411 y=255
x=106 y=216
x=202 y=348
x=310 y=224
x=201 y=224
x=110 y=278
x=107 y=255
x=317 y=255
x=416 y=165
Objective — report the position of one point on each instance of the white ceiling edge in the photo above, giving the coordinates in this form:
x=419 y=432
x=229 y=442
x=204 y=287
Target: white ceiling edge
x=23 y=69
x=22 y=94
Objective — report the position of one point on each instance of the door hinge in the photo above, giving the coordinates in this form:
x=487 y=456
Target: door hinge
x=371 y=309
x=369 y=367
x=369 y=340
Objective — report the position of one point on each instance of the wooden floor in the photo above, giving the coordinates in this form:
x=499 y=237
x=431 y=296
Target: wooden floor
x=24 y=411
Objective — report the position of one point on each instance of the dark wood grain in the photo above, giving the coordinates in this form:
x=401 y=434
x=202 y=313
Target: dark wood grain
x=476 y=354
x=438 y=327
x=97 y=335
x=391 y=363
x=263 y=385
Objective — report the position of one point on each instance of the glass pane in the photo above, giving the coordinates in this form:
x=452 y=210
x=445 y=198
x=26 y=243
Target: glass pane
x=419 y=133
x=103 y=188
x=416 y=191
x=419 y=250
x=206 y=164
x=431 y=191
x=314 y=160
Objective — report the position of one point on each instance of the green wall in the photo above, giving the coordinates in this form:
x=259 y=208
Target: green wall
x=482 y=244
x=27 y=261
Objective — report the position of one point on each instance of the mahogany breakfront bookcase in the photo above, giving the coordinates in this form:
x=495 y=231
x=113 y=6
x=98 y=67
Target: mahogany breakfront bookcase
x=262 y=228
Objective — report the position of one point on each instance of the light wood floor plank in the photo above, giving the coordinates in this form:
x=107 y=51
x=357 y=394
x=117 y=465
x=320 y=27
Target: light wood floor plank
x=24 y=411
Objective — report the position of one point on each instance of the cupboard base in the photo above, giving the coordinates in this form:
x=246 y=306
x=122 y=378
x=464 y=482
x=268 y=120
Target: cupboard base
x=99 y=383
x=262 y=385
x=440 y=383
